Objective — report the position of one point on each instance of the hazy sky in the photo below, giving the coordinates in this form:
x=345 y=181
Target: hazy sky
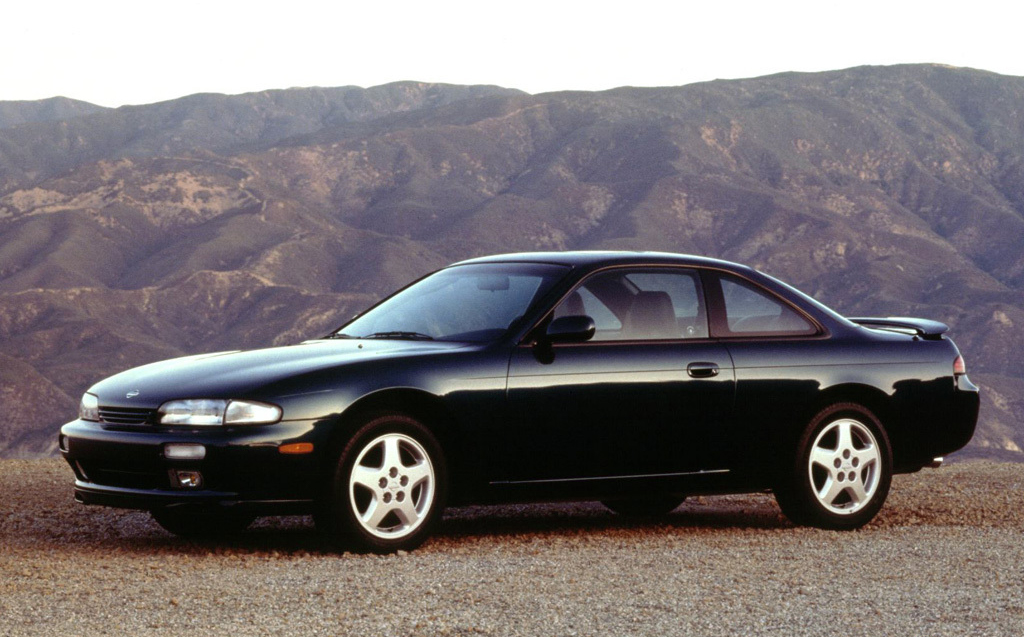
x=114 y=52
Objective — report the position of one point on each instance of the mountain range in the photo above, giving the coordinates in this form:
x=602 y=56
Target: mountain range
x=216 y=222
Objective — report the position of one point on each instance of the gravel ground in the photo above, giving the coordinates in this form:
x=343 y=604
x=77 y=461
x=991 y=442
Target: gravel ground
x=945 y=557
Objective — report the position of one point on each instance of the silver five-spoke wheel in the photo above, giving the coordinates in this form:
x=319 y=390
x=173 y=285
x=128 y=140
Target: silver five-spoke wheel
x=391 y=486
x=843 y=466
x=839 y=473
x=388 y=488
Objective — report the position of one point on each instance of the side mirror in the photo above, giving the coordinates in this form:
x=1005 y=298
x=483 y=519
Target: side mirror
x=571 y=329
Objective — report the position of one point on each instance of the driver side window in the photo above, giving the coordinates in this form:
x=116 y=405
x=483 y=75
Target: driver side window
x=645 y=304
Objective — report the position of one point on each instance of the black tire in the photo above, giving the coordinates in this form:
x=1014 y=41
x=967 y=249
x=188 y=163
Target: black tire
x=841 y=471
x=395 y=496
x=201 y=524
x=646 y=506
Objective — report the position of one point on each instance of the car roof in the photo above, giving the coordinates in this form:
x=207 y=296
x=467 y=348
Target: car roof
x=595 y=258
x=589 y=261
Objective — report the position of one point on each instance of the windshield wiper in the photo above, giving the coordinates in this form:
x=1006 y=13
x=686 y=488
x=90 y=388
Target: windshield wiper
x=339 y=335
x=410 y=336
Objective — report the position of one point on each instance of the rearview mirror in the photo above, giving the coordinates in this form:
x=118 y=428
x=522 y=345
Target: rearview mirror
x=492 y=282
x=571 y=329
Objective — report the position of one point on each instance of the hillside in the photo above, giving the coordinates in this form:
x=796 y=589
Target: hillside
x=54 y=109
x=221 y=222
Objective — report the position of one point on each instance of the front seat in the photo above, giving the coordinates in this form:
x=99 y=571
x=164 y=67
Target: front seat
x=651 y=316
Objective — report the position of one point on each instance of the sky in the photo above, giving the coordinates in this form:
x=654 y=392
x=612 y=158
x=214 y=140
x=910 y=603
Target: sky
x=114 y=52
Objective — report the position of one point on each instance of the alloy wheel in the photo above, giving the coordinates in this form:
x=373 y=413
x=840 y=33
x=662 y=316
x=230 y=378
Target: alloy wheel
x=844 y=466
x=392 y=486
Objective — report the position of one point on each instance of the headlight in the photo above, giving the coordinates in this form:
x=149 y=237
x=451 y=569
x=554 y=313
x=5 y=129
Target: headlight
x=202 y=413
x=244 y=412
x=89 y=408
x=206 y=413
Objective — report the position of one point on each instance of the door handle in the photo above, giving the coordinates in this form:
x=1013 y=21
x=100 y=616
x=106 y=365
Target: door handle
x=702 y=370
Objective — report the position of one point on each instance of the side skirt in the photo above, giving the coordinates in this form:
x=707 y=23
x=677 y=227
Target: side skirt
x=705 y=482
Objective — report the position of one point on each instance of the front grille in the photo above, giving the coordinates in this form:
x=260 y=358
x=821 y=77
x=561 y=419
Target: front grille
x=124 y=416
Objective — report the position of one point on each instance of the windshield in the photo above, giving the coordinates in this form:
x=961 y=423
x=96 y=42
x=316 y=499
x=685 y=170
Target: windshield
x=476 y=303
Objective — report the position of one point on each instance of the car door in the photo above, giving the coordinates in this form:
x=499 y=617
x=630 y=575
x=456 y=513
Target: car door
x=645 y=396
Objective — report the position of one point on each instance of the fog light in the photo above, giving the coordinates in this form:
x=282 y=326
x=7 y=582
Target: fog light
x=188 y=479
x=184 y=451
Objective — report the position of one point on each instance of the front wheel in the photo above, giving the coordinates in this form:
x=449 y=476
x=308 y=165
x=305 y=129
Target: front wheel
x=389 y=486
x=842 y=470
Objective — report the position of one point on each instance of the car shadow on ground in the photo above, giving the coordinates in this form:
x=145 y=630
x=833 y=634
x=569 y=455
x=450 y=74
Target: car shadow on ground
x=574 y=518
x=134 y=531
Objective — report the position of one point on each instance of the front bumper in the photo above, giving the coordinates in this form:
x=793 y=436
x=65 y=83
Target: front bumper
x=243 y=467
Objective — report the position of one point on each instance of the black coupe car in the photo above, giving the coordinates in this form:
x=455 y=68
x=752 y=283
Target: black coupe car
x=635 y=379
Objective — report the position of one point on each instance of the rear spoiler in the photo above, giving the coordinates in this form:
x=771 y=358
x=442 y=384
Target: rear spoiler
x=931 y=330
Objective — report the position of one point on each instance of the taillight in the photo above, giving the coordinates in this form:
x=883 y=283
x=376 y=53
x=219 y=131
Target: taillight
x=959 y=366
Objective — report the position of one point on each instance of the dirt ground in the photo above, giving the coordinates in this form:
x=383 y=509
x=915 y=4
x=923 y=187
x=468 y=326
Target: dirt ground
x=944 y=557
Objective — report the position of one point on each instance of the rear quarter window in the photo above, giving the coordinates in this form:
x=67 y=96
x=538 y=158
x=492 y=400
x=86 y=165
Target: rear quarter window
x=751 y=311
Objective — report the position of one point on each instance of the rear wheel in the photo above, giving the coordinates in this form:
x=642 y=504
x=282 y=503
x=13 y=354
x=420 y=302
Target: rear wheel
x=201 y=524
x=388 y=488
x=653 y=505
x=842 y=470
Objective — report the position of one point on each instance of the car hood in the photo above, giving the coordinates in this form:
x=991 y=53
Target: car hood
x=242 y=374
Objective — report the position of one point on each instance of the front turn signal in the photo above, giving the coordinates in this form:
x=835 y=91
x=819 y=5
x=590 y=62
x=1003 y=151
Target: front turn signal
x=296 y=448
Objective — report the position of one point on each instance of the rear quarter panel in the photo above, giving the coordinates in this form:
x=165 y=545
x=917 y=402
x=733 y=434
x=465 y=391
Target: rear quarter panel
x=780 y=385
